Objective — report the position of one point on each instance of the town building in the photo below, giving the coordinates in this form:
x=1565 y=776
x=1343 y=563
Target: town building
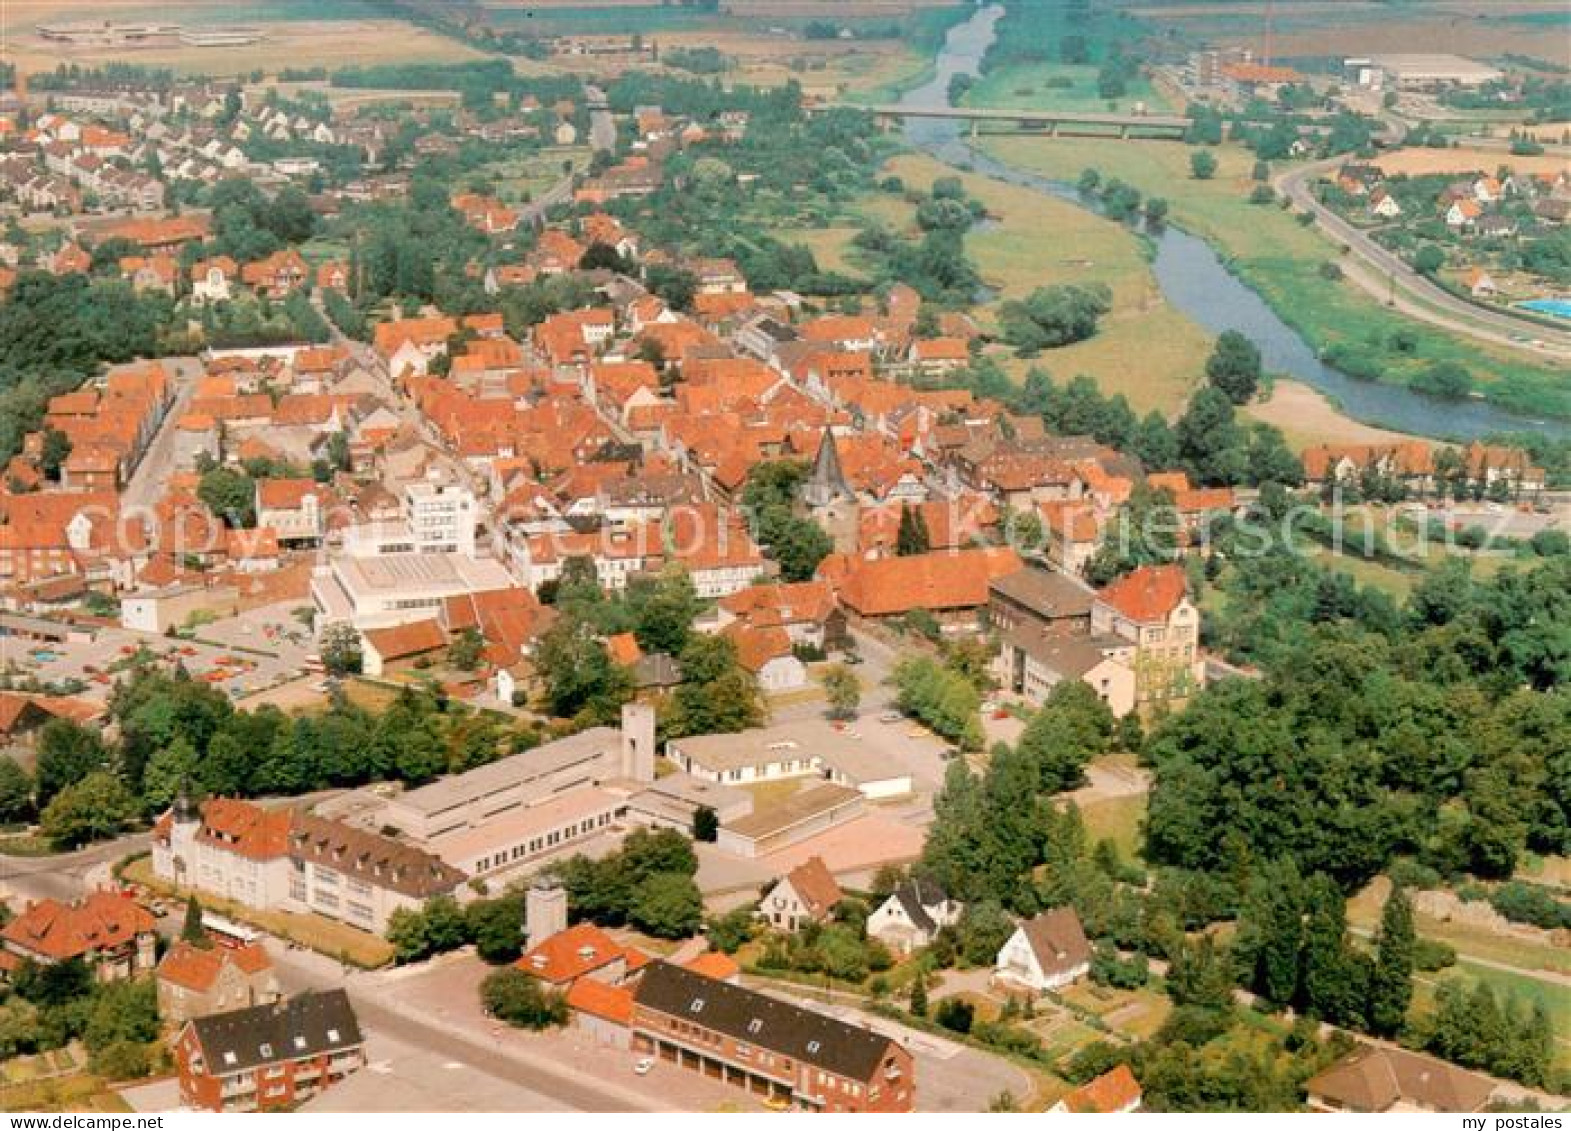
x=287 y=859
x=112 y=933
x=768 y=1047
x=194 y=982
x=1047 y=952
x=1115 y=1092
x=269 y=1057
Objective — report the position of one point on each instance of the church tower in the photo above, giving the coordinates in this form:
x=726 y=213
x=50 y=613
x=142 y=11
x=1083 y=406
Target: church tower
x=829 y=498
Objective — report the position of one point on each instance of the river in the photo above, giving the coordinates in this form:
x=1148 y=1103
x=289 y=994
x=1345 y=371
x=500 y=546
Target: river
x=1194 y=280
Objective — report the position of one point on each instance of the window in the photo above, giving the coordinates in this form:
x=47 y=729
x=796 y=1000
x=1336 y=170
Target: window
x=231 y=1058
x=756 y=1025
x=697 y=1006
x=332 y=1035
x=300 y=1043
x=266 y=1050
x=813 y=1046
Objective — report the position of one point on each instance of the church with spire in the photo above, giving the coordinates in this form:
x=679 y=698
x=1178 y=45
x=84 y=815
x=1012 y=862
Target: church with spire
x=830 y=500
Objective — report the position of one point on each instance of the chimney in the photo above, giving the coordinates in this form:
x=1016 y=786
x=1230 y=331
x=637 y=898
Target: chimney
x=545 y=913
x=638 y=742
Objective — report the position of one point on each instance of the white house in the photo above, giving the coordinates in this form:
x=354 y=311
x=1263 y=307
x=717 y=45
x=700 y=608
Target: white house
x=912 y=915
x=1045 y=953
x=806 y=894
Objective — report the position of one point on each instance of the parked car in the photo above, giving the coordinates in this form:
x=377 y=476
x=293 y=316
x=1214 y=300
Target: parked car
x=644 y=1065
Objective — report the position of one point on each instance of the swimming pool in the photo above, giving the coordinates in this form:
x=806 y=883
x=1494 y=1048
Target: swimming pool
x=1554 y=307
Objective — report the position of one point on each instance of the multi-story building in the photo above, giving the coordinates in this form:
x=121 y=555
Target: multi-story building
x=442 y=517
x=266 y=1057
x=1151 y=609
x=290 y=860
x=193 y=982
x=767 y=1046
x=110 y=932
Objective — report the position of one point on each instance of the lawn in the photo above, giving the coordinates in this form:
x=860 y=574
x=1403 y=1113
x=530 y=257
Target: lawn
x=831 y=246
x=1042 y=86
x=522 y=179
x=1116 y=819
x=1034 y=240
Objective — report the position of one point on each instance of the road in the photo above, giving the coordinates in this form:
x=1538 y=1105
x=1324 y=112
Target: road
x=602 y=126
x=1389 y=278
x=65 y=876
x=152 y=473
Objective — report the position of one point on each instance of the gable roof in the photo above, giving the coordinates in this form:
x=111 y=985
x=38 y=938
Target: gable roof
x=815 y=886
x=596 y=998
x=936 y=581
x=197 y=969
x=404 y=640
x=1057 y=940
x=915 y=896
x=788 y=1030
x=568 y=955
x=309 y=1025
x=1113 y=1091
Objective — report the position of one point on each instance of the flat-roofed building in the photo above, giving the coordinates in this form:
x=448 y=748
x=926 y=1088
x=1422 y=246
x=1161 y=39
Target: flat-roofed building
x=797 y=749
x=804 y=814
x=379 y=592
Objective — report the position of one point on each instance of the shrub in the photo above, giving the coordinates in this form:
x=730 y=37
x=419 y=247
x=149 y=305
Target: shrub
x=521 y=1000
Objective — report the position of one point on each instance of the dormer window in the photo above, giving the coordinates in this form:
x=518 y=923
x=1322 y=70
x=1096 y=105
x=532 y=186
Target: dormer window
x=697 y=1006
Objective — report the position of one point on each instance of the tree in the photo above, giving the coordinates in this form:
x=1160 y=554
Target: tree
x=339 y=647
x=667 y=905
x=1054 y=316
x=1448 y=380
x=229 y=494
x=663 y=609
x=983 y=929
x=581 y=680
x=1428 y=259
x=912 y=537
x=843 y=690
x=191 y=929
x=67 y=752
x=919 y=993
x=465 y=652
x=1234 y=366
x=706 y=825
x=717 y=695
x=168 y=771
x=496 y=926
x=16 y=791
x=96 y=808
x=1202 y=164
x=521 y=1000
x=731 y=931
x=55 y=451
x=1391 y=984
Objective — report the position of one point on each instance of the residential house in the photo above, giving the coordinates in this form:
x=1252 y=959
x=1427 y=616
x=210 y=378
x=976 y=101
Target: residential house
x=271 y=1056
x=806 y=894
x=1382 y=1078
x=1151 y=610
x=1047 y=952
x=912 y=915
x=110 y=932
x=194 y=982
x=1115 y=1092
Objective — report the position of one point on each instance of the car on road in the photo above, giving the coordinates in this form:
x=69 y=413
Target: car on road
x=890 y=717
x=644 y=1064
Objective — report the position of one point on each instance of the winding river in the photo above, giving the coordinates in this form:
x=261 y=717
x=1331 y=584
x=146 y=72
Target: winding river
x=1194 y=280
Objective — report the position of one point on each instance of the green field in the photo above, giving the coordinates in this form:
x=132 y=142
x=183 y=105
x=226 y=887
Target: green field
x=1036 y=240
x=1280 y=258
x=1040 y=87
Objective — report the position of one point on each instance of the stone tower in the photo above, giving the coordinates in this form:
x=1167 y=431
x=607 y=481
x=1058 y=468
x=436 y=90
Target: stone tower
x=545 y=912
x=829 y=498
x=638 y=742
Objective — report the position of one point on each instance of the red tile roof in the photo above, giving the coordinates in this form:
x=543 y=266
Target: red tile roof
x=1113 y=1091
x=60 y=931
x=1148 y=594
x=609 y=1003
x=570 y=954
x=938 y=581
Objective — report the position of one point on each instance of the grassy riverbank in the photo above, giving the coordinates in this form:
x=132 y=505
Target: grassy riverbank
x=1145 y=349
x=1283 y=260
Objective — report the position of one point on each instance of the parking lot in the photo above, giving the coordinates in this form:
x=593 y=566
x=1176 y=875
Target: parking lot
x=239 y=655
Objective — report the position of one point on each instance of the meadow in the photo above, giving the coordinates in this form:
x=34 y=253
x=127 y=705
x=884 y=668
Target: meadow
x=1283 y=260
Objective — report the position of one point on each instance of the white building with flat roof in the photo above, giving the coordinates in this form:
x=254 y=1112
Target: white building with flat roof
x=442 y=516
x=396 y=588
x=799 y=749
